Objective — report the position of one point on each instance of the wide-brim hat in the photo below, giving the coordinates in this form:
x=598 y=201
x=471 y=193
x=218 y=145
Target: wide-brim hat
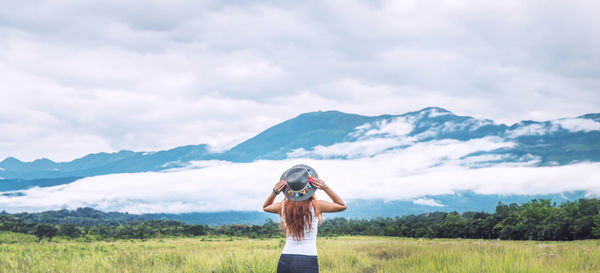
x=299 y=182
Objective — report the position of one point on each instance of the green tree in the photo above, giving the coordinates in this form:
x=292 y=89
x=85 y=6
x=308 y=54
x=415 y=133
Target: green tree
x=45 y=230
x=596 y=228
x=69 y=230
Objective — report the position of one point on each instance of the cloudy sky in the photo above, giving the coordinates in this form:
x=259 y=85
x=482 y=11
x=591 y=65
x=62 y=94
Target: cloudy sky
x=81 y=77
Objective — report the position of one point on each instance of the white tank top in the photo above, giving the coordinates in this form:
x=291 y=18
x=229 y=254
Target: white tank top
x=308 y=244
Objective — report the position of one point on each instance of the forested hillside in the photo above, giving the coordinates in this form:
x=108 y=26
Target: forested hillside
x=533 y=220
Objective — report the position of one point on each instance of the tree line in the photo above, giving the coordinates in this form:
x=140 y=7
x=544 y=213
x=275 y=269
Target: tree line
x=534 y=220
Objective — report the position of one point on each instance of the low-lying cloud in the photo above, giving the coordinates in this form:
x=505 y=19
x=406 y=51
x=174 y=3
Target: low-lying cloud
x=219 y=186
x=428 y=202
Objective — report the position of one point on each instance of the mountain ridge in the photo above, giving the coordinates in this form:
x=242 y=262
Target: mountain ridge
x=562 y=139
x=433 y=131
x=14 y=160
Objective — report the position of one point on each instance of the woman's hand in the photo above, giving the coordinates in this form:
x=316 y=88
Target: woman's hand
x=279 y=186
x=269 y=206
x=326 y=206
x=319 y=184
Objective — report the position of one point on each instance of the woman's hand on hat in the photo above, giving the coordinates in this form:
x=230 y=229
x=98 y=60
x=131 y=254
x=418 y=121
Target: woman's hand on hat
x=319 y=184
x=279 y=186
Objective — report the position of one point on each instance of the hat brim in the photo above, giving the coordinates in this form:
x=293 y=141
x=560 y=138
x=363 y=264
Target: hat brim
x=303 y=197
x=308 y=194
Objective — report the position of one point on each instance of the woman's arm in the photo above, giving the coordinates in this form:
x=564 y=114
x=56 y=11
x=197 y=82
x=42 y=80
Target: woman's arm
x=326 y=206
x=269 y=206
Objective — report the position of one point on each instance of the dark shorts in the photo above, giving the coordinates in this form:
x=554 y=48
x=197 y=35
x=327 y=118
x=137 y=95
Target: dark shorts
x=296 y=263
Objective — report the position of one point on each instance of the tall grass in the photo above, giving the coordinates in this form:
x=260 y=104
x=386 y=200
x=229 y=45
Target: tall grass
x=340 y=254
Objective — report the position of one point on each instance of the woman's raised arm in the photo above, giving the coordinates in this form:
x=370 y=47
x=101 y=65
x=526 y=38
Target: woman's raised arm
x=326 y=206
x=269 y=206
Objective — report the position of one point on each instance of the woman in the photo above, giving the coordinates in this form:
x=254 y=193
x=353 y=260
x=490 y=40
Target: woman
x=300 y=212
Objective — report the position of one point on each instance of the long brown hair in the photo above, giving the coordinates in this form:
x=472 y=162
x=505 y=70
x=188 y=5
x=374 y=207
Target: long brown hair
x=297 y=217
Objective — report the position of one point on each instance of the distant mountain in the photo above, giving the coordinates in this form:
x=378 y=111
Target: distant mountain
x=305 y=131
x=102 y=163
x=18 y=184
x=320 y=134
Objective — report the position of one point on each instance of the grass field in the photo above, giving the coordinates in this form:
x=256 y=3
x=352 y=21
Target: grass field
x=21 y=253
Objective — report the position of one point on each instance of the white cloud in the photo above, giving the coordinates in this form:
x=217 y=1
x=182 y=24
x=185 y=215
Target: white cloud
x=569 y=124
x=428 y=202
x=390 y=127
x=396 y=127
x=533 y=129
x=106 y=77
x=578 y=124
x=436 y=113
x=472 y=124
x=102 y=76
x=219 y=185
x=507 y=160
x=350 y=150
x=425 y=154
x=419 y=155
x=387 y=134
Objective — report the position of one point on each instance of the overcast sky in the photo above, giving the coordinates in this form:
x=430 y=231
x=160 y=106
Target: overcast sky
x=88 y=76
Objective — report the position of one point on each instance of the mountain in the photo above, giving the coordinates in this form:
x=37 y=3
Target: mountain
x=305 y=131
x=102 y=163
x=18 y=184
x=434 y=137
x=333 y=134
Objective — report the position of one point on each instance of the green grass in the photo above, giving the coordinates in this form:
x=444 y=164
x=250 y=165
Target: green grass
x=21 y=253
